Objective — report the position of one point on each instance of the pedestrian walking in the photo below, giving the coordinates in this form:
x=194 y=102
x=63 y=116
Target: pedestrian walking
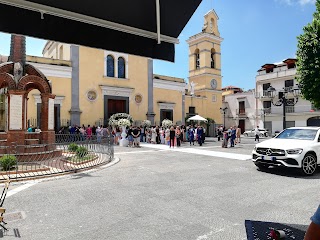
x=178 y=136
x=200 y=135
x=256 y=133
x=172 y=135
x=233 y=136
x=238 y=135
x=191 y=135
x=225 y=139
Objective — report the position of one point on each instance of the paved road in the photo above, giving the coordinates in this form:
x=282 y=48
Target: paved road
x=154 y=192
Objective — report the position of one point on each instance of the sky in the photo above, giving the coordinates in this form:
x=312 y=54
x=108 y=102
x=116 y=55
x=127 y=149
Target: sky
x=255 y=32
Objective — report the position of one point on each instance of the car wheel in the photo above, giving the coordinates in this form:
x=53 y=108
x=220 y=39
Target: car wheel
x=266 y=134
x=262 y=166
x=309 y=164
x=245 y=134
x=261 y=135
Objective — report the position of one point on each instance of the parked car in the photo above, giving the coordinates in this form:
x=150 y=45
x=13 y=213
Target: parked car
x=250 y=133
x=296 y=147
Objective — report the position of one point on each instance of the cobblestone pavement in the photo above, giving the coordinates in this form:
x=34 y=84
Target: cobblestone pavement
x=155 y=192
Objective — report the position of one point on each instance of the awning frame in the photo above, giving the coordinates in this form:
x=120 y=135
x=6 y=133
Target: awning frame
x=57 y=12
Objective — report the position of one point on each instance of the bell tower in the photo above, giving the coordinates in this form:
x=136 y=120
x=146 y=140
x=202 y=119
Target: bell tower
x=205 y=80
x=205 y=55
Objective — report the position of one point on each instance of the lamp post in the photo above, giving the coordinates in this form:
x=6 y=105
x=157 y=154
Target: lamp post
x=283 y=99
x=263 y=113
x=224 y=110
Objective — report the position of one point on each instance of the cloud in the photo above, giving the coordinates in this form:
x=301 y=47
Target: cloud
x=295 y=2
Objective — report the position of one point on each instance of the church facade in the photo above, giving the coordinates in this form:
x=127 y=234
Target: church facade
x=92 y=84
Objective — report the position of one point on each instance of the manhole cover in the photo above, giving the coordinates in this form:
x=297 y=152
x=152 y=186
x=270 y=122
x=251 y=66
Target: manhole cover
x=10 y=217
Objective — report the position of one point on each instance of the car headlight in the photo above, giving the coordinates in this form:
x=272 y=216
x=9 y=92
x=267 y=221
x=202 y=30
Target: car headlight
x=255 y=148
x=295 y=151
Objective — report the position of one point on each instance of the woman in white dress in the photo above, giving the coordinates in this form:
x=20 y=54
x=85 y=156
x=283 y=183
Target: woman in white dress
x=153 y=135
x=161 y=135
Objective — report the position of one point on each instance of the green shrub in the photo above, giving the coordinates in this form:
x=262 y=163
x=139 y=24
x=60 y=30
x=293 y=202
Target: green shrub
x=73 y=147
x=7 y=162
x=81 y=152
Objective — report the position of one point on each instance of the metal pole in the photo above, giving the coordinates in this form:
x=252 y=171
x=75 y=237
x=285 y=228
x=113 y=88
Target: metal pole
x=284 y=104
x=224 y=118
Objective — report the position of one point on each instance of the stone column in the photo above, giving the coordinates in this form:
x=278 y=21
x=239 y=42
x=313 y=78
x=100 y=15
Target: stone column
x=47 y=118
x=16 y=117
x=26 y=110
x=150 y=113
x=183 y=108
x=75 y=109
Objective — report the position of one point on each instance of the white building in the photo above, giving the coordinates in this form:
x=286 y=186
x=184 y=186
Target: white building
x=241 y=108
x=281 y=76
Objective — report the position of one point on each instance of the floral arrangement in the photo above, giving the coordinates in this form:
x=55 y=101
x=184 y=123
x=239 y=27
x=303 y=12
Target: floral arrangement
x=124 y=122
x=115 y=118
x=166 y=123
x=146 y=123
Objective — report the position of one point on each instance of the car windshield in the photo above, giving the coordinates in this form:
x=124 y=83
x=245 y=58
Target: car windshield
x=299 y=134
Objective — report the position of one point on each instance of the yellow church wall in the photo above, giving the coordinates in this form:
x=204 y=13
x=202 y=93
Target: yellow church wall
x=204 y=106
x=62 y=87
x=167 y=96
x=92 y=77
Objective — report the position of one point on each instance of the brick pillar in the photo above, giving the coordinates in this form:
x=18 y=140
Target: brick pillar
x=18 y=49
x=47 y=116
x=16 y=117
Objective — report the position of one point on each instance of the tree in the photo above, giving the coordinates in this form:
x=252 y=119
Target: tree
x=308 y=56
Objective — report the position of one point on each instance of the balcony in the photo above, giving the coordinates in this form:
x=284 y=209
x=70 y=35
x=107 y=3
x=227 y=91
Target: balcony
x=297 y=109
x=267 y=110
x=241 y=112
x=274 y=75
x=263 y=95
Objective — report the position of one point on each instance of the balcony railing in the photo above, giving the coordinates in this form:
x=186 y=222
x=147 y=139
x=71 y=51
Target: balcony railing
x=241 y=111
x=263 y=94
x=282 y=73
x=289 y=109
x=302 y=109
x=267 y=110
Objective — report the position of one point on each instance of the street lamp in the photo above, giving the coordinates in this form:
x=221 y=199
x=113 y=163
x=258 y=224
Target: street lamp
x=283 y=99
x=224 y=110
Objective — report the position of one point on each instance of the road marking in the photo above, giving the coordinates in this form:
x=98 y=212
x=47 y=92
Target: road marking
x=21 y=188
x=235 y=156
x=141 y=151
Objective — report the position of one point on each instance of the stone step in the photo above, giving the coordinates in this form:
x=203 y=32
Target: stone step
x=31 y=141
x=3 y=136
x=37 y=157
x=34 y=148
x=3 y=150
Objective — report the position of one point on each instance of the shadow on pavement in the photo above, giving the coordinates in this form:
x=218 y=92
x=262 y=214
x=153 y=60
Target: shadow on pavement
x=292 y=173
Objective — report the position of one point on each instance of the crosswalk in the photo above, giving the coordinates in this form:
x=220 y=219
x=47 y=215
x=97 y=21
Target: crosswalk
x=235 y=156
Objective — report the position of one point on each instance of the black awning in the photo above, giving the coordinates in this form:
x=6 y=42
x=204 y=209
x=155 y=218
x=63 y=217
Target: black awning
x=132 y=29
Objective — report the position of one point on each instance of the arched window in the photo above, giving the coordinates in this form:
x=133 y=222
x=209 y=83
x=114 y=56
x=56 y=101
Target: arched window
x=121 y=68
x=213 y=64
x=110 y=66
x=197 y=58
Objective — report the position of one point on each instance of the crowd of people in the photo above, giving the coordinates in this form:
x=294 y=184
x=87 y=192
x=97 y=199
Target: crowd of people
x=88 y=132
x=171 y=136
x=230 y=136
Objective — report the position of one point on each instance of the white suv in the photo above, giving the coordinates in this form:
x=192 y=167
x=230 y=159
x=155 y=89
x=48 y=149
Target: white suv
x=297 y=147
